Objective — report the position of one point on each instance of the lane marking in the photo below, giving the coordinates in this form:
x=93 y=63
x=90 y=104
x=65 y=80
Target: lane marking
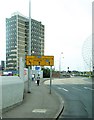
x=88 y=88
x=76 y=88
x=63 y=89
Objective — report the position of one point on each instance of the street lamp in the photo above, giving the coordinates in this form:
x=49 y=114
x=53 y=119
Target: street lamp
x=60 y=63
x=29 y=48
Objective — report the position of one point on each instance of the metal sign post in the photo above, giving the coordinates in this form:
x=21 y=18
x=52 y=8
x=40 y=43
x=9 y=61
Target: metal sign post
x=50 y=79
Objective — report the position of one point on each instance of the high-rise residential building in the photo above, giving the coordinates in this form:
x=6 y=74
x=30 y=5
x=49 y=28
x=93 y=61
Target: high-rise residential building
x=17 y=37
x=3 y=65
x=93 y=37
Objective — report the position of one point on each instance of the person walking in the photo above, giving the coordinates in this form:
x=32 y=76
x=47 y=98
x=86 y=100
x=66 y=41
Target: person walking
x=38 y=80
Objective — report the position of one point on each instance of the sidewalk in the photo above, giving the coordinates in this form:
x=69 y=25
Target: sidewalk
x=37 y=104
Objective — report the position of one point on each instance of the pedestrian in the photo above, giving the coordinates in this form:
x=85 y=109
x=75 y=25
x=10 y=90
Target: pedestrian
x=32 y=77
x=38 y=80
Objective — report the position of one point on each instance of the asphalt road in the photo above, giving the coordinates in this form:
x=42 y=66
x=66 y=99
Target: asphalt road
x=77 y=97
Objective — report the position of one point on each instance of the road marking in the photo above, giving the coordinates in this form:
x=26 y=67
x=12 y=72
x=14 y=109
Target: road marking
x=39 y=110
x=76 y=88
x=63 y=89
x=88 y=88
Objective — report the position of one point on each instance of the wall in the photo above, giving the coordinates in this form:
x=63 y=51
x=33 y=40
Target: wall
x=0 y=96
x=12 y=90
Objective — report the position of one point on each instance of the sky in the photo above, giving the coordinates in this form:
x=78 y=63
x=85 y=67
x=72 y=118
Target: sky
x=68 y=23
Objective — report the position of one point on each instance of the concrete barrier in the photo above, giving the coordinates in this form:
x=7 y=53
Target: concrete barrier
x=0 y=96
x=12 y=91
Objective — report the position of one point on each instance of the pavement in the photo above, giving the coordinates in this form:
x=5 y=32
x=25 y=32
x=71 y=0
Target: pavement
x=38 y=104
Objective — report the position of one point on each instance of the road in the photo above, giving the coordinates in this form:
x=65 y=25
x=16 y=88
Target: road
x=77 y=95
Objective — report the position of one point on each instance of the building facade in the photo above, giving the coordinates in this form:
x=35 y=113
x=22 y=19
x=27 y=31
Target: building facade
x=3 y=65
x=17 y=37
x=93 y=37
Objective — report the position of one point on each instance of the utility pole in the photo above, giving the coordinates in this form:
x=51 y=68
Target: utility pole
x=29 y=48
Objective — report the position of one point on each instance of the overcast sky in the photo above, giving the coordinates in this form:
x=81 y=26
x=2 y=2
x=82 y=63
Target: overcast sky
x=68 y=23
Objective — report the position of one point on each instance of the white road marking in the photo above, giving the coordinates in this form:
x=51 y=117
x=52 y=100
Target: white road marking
x=88 y=88
x=39 y=110
x=63 y=89
x=76 y=88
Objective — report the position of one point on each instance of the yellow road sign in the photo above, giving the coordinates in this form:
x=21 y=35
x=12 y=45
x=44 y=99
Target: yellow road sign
x=40 y=60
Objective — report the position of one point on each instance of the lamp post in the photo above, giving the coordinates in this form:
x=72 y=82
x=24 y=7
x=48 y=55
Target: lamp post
x=29 y=48
x=60 y=64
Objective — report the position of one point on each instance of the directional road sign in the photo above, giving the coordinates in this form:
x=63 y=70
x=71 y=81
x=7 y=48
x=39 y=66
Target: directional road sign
x=40 y=60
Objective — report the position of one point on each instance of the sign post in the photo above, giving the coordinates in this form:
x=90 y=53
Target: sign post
x=50 y=78
x=41 y=61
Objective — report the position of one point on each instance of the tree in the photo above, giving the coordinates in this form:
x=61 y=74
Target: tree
x=46 y=72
